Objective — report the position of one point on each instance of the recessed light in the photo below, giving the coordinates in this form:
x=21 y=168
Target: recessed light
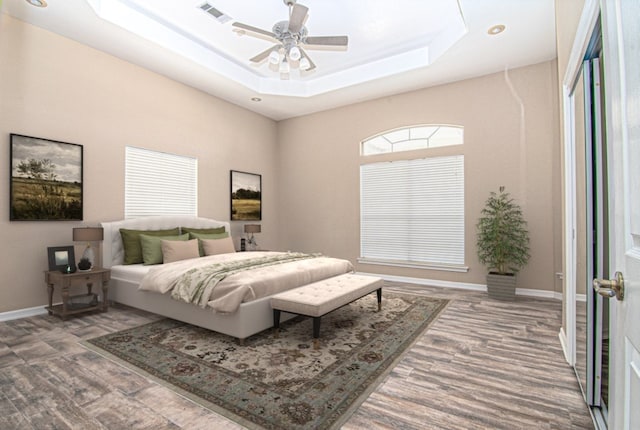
x=256 y=99
x=496 y=29
x=37 y=3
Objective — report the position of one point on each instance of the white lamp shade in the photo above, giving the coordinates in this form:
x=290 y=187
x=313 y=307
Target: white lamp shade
x=274 y=57
x=294 y=53
x=304 y=64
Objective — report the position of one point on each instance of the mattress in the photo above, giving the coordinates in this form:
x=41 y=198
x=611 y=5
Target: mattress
x=131 y=272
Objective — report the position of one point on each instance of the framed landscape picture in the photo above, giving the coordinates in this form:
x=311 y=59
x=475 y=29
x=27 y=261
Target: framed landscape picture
x=246 y=196
x=46 y=180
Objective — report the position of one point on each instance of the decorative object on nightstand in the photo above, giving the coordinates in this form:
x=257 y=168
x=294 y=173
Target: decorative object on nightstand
x=75 y=304
x=251 y=229
x=62 y=259
x=88 y=234
x=84 y=264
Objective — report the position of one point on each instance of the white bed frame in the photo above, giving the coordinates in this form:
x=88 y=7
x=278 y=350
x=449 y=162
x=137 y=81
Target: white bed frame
x=249 y=319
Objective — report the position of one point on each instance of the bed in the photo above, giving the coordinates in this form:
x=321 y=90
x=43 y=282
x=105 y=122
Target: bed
x=250 y=317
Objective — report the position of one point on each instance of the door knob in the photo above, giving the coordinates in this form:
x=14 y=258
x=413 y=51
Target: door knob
x=610 y=288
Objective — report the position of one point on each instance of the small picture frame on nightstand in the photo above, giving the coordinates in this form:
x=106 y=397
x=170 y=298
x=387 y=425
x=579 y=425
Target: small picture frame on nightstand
x=62 y=259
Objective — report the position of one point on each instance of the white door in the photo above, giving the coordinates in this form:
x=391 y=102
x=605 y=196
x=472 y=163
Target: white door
x=621 y=37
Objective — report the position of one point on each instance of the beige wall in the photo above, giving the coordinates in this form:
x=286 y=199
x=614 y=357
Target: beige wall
x=511 y=139
x=52 y=87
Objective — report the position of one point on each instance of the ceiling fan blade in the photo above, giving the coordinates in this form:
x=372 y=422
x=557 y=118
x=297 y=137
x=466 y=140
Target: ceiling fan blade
x=326 y=40
x=312 y=65
x=263 y=55
x=252 y=29
x=297 y=18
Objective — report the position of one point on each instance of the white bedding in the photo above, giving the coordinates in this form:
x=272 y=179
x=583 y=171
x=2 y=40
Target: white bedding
x=248 y=285
x=130 y=272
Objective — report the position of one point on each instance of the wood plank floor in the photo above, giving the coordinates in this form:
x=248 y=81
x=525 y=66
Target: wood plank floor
x=484 y=364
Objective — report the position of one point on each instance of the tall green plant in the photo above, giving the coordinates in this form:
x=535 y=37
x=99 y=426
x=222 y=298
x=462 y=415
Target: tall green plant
x=503 y=239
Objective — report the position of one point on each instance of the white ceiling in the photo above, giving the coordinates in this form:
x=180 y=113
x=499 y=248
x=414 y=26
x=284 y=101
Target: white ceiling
x=394 y=46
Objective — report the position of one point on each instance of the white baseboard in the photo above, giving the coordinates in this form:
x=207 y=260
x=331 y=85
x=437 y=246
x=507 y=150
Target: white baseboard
x=545 y=294
x=464 y=285
x=430 y=282
x=22 y=313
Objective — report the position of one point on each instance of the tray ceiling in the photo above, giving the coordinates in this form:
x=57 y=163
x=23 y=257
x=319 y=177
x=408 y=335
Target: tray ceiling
x=393 y=46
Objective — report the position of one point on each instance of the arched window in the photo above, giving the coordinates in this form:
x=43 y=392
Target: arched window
x=411 y=138
x=412 y=210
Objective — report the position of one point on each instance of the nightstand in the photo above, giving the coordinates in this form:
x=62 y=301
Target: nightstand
x=78 y=303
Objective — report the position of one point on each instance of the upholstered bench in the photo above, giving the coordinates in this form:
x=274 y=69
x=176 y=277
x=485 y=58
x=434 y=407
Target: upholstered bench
x=319 y=298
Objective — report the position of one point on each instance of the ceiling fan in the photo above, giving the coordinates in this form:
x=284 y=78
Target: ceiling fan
x=290 y=36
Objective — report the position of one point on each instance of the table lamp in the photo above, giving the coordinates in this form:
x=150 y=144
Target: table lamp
x=252 y=228
x=88 y=234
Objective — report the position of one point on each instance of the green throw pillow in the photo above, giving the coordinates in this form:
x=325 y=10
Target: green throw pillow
x=194 y=235
x=152 y=247
x=131 y=242
x=215 y=230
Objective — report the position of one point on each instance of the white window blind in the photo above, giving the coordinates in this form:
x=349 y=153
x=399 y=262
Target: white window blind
x=158 y=183
x=412 y=211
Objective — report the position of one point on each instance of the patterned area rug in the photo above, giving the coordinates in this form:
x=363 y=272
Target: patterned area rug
x=281 y=383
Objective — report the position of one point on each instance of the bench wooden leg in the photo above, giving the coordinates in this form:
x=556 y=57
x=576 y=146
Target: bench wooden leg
x=379 y=294
x=316 y=332
x=276 y=322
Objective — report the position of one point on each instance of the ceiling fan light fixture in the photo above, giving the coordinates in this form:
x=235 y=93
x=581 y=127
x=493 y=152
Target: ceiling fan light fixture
x=274 y=57
x=294 y=53
x=304 y=64
x=291 y=38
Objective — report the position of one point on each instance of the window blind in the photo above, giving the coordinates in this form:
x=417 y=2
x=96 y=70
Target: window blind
x=412 y=211
x=158 y=183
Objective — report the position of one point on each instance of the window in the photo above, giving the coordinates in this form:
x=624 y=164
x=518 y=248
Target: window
x=158 y=183
x=412 y=213
x=411 y=138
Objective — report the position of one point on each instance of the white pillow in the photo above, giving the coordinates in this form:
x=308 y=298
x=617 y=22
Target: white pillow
x=218 y=246
x=173 y=250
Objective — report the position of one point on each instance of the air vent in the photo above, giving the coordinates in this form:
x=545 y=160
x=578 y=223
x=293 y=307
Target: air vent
x=219 y=16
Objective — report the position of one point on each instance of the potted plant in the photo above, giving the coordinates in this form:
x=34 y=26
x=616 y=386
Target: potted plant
x=84 y=264
x=503 y=244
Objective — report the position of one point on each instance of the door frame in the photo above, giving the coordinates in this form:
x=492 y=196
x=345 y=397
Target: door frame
x=586 y=27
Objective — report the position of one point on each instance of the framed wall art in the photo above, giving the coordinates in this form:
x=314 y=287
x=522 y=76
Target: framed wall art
x=246 y=196
x=62 y=259
x=46 y=180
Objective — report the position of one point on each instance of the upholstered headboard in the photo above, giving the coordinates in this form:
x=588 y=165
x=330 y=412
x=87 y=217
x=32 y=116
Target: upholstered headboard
x=112 y=249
